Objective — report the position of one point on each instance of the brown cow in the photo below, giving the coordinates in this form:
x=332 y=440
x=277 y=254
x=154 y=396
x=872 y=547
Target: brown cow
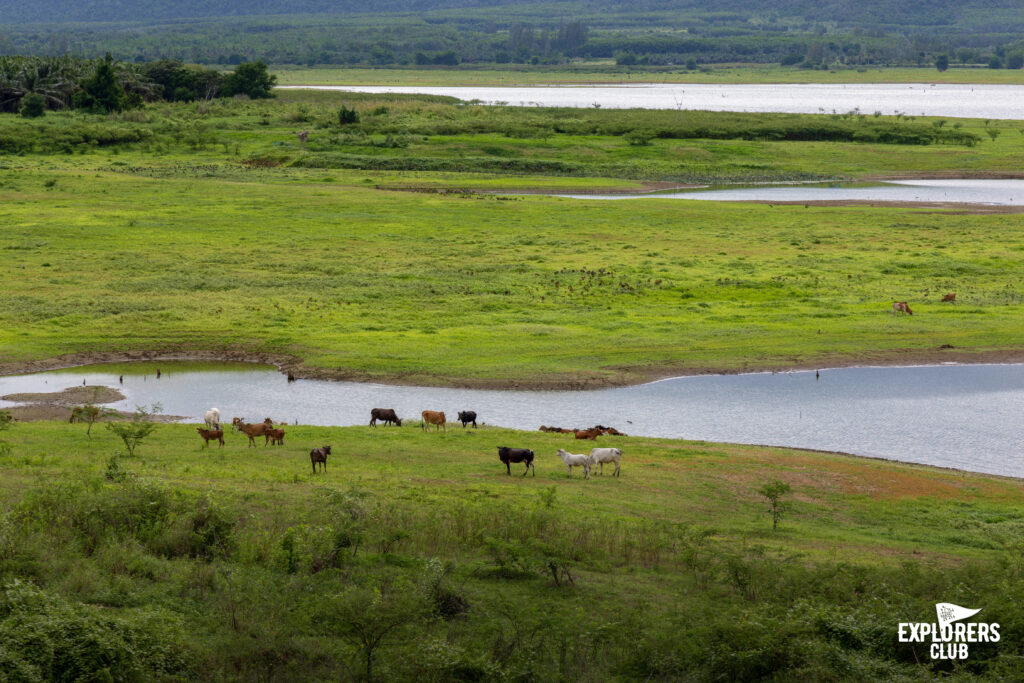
x=274 y=436
x=901 y=307
x=319 y=455
x=210 y=435
x=950 y=297
x=254 y=430
x=587 y=434
x=435 y=418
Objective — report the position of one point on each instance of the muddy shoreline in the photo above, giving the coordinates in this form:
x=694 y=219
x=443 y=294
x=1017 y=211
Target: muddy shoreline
x=621 y=376
x=58 y=405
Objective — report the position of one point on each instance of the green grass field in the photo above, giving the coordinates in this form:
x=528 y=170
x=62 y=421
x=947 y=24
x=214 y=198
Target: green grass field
x=185 y=228
x=242 y=563
x=606 y=72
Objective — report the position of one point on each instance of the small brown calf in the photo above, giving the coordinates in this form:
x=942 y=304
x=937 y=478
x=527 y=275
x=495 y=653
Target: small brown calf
x=211 y=435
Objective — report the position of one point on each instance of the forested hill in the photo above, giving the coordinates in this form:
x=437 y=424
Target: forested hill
x=886 y=12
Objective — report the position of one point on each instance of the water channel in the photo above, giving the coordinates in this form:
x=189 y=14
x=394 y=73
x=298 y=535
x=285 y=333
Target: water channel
x=959 y=191
x=969 y=417
x=915 y=99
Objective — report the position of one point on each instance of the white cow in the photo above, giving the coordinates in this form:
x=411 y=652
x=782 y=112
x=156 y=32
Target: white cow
x=576 y=460
x=603 y=455
x=212 y=418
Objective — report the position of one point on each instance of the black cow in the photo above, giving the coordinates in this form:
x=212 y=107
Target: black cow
x=467 y=416
x=509 y=455
x=387 y=415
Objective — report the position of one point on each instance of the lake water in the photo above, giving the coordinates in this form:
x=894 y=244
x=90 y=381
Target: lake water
x=964 y=416
x=925 y=99
x=990 y=192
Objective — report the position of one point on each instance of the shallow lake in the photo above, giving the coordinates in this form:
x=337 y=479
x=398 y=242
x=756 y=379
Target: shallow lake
x=991 y=192
x=925 y=99
x=965 y=416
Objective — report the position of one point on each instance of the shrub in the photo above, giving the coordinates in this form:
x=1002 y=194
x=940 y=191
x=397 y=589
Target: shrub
x=251 y=79
x=33 y=105
x=133 y=433
x=347 y=116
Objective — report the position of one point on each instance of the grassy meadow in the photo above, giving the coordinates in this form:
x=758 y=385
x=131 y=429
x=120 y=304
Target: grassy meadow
x=210 y=228
x=418 y=550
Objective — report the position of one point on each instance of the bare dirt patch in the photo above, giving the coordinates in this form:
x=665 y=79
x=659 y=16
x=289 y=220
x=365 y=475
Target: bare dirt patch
x=69 y=397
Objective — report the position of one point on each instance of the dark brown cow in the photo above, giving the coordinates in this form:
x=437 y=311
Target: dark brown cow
x=431 y=417
x=319 y=455
x=509 y=455
x=211 y=435
x=950 y=297
x=387 y=415
x=274 y=436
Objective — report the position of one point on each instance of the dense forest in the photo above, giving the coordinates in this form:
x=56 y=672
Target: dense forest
x=450 y=32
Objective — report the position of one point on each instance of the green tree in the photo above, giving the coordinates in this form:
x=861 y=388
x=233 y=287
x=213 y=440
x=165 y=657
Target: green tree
x=5 y=424
x=33 y=105
x=90 y=413
x=103 y=92
x=1015 y=61
x=773 y=491
x=249 y=78
x=133 y=432
x=942 y=62
x=369 y=617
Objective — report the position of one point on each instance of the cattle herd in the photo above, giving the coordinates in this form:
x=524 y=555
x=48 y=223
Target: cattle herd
x=272 y=435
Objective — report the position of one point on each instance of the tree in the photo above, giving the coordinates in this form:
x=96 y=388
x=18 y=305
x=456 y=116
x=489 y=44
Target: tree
x=5 y=424
x=90 y=413
x=249 y=78
x=102 y=93
x=995 y=62
x=1015 y=61
x=942 y=62
x=367 y=617
x=773 y=491
x=135 y=430
x=33 y=105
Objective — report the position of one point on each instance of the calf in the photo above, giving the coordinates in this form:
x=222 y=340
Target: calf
x=319 y=455
x=587 y=434
x=274 y=436
x=950 y=297
x=437 y=419
x=387 y=415
x=466 y=416
x=509 y=455
x=209 y=435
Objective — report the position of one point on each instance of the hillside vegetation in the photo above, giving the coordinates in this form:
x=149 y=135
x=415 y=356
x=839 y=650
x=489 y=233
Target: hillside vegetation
x=415 y=557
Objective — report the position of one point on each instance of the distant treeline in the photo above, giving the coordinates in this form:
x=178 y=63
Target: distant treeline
x=790 y=32
x=33 y=84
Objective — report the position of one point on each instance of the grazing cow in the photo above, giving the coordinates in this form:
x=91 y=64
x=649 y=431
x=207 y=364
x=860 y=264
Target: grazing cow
x=602 y=455
x=212 y=418
x=466 y=416
x=587 y=434
x=84 y=414
x=254 y=430
x=437 y=419
x=235 y=421
x=901 y=307
x=576 y=460
x=319 y=455
x=211 y=435
x=509 y=455
x=950 y=297
x=274 y=436
x=387 y=415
